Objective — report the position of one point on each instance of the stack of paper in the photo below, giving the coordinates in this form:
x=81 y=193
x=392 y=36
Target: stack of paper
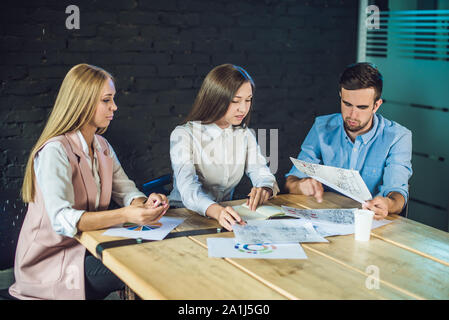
x=266 y=239
x=277 y=231
x=330 y=222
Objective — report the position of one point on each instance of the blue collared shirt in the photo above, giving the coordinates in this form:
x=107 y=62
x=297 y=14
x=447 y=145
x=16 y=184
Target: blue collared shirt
x=382 y=155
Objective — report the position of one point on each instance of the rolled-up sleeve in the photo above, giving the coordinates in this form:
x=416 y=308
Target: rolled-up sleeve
x=310 y=152
x=398 y=167
x=54 y=177
x=124 y=190
x=256 y=166
x=181 y=155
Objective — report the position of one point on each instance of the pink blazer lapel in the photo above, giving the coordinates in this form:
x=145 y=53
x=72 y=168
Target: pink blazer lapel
x=105 y=168
x=86 y=173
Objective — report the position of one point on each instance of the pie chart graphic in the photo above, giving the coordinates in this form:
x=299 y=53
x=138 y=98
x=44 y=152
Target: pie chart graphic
x=145 y=227
x=258 y=248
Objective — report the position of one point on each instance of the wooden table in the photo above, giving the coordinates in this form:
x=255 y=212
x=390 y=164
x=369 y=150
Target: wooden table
x=412 y=261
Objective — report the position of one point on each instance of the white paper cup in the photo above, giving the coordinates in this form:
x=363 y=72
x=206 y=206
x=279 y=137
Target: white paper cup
x=363 y=219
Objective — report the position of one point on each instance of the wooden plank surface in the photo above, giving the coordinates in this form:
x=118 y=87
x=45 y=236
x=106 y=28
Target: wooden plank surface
x=314 y=278
x=430 y=242
x=318 y=277
x=422 y=263
x=177 y=268
x=425 y=257
x=411 y=266
x=330 y=200
x=405 y=233
x=398 y=268
x=180 y=269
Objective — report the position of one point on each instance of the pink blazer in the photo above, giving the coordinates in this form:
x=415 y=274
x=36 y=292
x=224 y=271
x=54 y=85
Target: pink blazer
x=48 y=265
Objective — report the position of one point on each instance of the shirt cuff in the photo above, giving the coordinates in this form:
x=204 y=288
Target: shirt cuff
x=274 y=188
x=203 y=205
x=130 y=197
x=295 y=172
x=67 y=225
x=402 y=192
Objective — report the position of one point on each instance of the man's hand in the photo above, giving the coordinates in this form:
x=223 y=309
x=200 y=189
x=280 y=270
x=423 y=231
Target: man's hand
x=306 y=186
x=379 y=205
x=382 y=206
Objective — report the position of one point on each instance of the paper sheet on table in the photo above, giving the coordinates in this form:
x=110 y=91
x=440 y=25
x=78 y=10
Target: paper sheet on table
x=262 y=212
x=330 y=222
x=229 y=248
x=156 y=231
x=340 y=216
x=277 y=231
x=345 y=181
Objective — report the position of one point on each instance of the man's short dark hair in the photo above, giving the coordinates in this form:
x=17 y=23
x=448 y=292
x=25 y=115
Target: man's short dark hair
x=362 y=75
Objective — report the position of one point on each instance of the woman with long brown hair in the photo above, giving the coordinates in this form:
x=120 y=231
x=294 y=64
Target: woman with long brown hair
x=213 y=148
x=71 y=175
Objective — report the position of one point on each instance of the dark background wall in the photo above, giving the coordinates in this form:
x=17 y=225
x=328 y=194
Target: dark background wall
x=159 y=52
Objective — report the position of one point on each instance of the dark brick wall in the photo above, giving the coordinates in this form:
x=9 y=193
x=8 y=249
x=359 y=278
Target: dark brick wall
x=159 y=51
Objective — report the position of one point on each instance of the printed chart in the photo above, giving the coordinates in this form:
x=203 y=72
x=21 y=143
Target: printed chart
x=155 y=231
x=229 y=248
x=261 y=248
x=136 y=227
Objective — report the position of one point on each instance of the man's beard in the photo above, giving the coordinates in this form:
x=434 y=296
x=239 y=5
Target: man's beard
x=354 y=129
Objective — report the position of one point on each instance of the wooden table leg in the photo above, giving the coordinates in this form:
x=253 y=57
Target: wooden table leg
x=130 y=295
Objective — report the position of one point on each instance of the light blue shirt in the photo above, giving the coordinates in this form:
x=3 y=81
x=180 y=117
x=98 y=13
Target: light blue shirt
x=382 y=155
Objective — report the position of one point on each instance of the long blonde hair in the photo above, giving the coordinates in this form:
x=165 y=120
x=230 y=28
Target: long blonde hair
x=75 y=106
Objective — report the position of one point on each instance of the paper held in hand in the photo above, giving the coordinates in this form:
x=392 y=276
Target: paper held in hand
x=345 y=181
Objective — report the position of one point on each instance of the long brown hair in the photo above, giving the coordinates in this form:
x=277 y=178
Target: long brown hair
x=75 y=105
x=216 y=93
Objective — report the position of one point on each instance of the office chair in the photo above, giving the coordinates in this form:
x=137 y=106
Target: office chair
x=157 y=185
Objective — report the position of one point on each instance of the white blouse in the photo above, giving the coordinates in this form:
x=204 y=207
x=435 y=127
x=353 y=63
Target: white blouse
x=208 y=162
x=54 y=176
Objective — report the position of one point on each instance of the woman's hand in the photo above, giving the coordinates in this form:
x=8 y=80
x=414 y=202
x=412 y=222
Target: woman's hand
x=258 y=196
x=156 y=199
x=148 y=212
x=226 y=216
x=141 y=211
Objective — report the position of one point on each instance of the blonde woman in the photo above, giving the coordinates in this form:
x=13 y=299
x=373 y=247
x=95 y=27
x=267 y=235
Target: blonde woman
x=214 y=148
x=71 y=175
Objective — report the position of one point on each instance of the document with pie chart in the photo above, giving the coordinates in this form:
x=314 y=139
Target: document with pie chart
x=231 y=248
x=155 y=231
